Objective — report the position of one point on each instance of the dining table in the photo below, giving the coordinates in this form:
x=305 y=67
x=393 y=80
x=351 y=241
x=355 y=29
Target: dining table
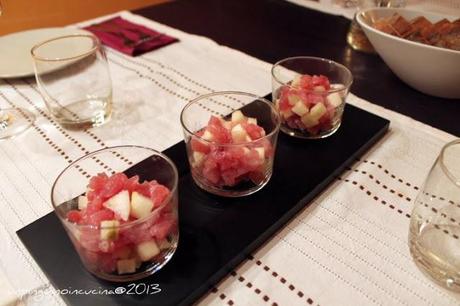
x=346 y=246
x=273 y=30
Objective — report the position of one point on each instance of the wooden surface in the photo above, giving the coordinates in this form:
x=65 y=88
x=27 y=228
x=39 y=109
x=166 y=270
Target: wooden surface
x=275 y=29
x=26 y=14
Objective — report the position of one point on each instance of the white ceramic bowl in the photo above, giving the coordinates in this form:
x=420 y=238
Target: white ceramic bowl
x=431 y=70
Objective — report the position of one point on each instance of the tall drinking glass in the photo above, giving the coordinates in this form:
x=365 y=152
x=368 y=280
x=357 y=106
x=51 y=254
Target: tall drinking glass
x=74 y=81
x=434 y=235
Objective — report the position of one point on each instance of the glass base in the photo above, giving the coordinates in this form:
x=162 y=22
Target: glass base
x=305 y=135
x=14 y=121
x=240 y=190
x=84 y=114
x=441 y=270
x=146 y=269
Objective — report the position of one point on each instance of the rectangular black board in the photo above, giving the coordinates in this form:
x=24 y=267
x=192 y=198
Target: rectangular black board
x=216 y=234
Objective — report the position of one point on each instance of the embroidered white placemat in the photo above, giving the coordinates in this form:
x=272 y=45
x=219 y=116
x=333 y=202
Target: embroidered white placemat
x=348 y=247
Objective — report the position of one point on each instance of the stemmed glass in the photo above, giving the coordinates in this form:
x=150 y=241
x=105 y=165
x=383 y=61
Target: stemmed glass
x=14 y=120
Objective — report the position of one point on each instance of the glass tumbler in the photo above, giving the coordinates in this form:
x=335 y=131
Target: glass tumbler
x=124 y=228
x=356 y=38
x=434 y=235
x=231 y=141
x=74 y=80
x=310 y=93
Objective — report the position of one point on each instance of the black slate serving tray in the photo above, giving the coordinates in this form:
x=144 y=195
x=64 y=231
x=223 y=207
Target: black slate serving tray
x=216 y=234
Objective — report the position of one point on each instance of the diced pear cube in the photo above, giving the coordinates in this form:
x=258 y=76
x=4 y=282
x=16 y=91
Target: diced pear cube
x=334 y=99
x=287 y=113
x=238 y=117
x=318 y=110
x=248 y=138
x=238 y=134
x=227 y=124
x=120 y=204
x=198 y=158
x=147 y=250
x=124 y=252
x=82 y=202
x=293 y=99
x=252 y=120
x=141 y=206
x=125 y=266
x=319 y=88
x=300 y=109
x=138 y=262
x=164 y=244
x=296 y=81
x=207 y=135
x=109 y=229
x=261 y=152
x=309 y=121
x=76 y=233
x=106 y=246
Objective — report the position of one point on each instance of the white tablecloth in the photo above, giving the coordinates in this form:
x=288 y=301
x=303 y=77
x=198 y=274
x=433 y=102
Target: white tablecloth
x=348 y=247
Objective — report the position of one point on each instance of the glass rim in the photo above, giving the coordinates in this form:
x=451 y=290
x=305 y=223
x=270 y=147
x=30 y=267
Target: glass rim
x=219 y=93
x=449 y=174
x=320 y=59
x=96 y=47
x=129 y=223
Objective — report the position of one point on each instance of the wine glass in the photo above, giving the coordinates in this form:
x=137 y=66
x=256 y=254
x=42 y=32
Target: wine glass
x=14 y=120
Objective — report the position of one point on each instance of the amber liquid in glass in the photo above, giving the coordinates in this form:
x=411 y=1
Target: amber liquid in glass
x=357 y=39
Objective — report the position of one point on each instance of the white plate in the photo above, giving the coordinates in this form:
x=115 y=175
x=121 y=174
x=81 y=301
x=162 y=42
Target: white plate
x=15 y=58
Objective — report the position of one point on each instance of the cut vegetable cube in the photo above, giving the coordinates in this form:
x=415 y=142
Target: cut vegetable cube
x=227 y=124
x=124 y=252
x=147 y=250
x=252 y=121
x=106 y=246
x=318 y=111
x=164 y=244
x=287 y=113
x=293 y=99
x=237 y=117
x=120 y=204
x=238 y=134
x=109 y=229
x=309 y=121
x=334 y=99
x=207 y=136
x=82 y=202
x=138 y=262
x=198 y=158
x=319 y=88
x=296 y=81
x=141 y=206
x=125 y=266
x=261 y=152
x=300 y=109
